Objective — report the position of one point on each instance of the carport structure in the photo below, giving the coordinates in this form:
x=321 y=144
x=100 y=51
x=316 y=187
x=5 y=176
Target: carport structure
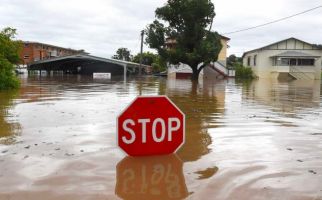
x=87 y=64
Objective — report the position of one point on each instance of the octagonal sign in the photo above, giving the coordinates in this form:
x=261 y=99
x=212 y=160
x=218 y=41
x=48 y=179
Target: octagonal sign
x=151 y=125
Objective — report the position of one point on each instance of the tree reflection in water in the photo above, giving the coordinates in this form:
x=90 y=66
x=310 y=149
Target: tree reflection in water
x=8 y=127
x=200 y=103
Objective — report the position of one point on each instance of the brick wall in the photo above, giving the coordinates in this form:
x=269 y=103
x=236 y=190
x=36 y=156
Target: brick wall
x=33 y=51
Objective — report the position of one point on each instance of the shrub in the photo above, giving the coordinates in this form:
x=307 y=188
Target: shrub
x=9 y=55
x=8 y=79
x=243 y=72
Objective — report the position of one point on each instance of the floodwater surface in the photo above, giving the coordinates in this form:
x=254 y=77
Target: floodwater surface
x=244 y=140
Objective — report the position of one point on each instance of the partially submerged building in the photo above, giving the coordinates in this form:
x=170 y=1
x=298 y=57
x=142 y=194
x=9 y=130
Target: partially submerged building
x=88 y=65
x=215 y=70
x=287 y=59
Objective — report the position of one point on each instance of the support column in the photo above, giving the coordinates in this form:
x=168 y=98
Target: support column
x=124 y=72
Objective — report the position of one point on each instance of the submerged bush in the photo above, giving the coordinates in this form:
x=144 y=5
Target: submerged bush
x=9 y=55
x=243 y=72
x=8 y=79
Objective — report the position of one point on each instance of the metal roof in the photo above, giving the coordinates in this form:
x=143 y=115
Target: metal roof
x=86 y=57
x=295 y=54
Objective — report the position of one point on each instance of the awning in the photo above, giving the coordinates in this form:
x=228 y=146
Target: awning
x=294 y=54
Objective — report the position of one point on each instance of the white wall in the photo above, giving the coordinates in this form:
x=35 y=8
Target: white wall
x=182 y=68
x=265 y=68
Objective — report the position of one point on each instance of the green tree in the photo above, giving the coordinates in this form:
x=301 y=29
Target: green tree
x=188 y=22
x=159 y=65
x=233 y=60
x=154 y=60
x=318 y=46
x=122 y=54
x=147 y=58
x=9 y=55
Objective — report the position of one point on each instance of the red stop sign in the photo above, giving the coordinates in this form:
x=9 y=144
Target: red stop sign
x=151 y=126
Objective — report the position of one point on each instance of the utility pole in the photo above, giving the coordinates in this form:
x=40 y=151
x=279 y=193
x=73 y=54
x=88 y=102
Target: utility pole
x=141 y=53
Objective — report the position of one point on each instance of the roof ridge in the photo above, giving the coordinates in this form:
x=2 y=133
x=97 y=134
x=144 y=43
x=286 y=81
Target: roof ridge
x=276 y=43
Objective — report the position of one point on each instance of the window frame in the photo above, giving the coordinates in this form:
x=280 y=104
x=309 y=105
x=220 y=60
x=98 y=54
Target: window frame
x=249 y=60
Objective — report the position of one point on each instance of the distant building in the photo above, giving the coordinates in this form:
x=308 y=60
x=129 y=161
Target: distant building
x=287 y=59
x=215 y=70
x=35 y=51
x=222 y=57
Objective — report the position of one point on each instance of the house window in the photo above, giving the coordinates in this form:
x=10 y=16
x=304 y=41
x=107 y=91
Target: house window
x=255 y=60
x=306 y=62
x=295 y=62
x=285 y=62
x=248 y=60
x=26 y=57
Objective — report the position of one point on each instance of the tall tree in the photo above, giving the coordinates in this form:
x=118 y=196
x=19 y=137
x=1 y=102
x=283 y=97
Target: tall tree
x=9 y=55
x=188 y=23
x=122 y=54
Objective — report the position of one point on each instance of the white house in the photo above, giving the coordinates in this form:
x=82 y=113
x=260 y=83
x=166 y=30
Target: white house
x=287 y=59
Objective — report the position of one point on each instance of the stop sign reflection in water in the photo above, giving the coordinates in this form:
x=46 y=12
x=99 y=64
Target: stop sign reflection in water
x=151 y=126
x=152 y=178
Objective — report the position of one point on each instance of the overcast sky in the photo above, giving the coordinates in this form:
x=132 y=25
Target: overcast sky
x=102 y=26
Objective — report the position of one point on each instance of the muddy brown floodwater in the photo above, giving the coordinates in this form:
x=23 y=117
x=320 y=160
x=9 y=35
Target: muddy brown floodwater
x=244 y=140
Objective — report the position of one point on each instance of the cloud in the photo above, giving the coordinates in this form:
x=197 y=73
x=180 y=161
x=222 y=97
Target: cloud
x=102 y=26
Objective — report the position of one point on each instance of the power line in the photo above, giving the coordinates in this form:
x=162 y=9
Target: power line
x=272 y=22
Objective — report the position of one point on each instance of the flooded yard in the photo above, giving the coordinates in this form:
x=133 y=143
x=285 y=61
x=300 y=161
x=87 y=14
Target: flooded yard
x=244 y=140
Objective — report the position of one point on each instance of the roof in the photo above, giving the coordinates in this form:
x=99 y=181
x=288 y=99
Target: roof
x=86 y=57
x=276 y=43
x=295 y=54
x=170 y=40
x=40 y=43
x=224 y=37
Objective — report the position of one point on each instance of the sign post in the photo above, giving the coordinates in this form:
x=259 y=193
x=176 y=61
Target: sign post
x=151 y=126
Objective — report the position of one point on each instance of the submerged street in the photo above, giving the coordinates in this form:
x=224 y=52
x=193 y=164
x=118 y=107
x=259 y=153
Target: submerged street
x=260 y=139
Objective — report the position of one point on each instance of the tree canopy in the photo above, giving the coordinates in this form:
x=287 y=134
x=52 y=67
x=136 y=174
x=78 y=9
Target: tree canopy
x=318 y=46
x=188 y=23
x=233 y=60
x=147 y=58
x=151 y=59
x=9 y=55
x=122 y=54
